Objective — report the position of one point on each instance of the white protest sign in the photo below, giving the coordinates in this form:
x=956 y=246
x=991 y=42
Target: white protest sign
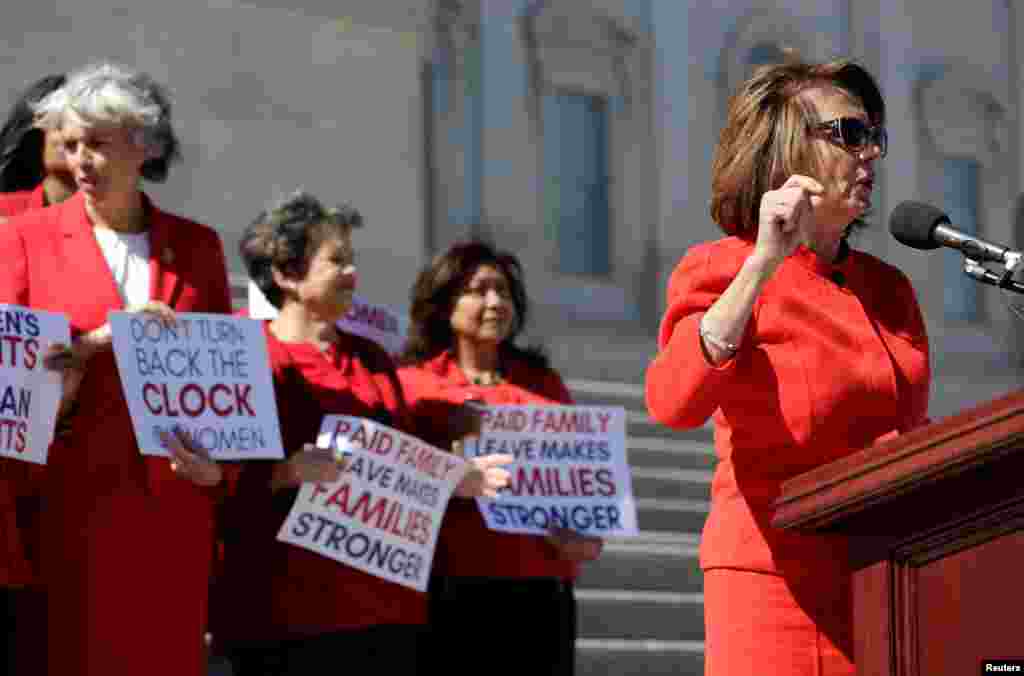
x=29 y=394
x=384 y=514
x=378 y=323
x=570 y=471
x=208 y=375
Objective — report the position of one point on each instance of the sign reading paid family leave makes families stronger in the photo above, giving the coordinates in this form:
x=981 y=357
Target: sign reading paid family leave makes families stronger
x=383 y=516
x=372 y=321
x=570 y=470
x=29 y=393
x=207 y=375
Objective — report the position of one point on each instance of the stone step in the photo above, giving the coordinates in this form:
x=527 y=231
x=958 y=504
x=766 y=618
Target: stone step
x=640 y=615
x=650 y=562
x=675 y=515
x=621 y=657
x=670 y=482
x=678 y=453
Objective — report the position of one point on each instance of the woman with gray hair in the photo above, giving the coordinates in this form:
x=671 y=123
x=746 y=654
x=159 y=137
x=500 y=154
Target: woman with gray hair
x=127 y=539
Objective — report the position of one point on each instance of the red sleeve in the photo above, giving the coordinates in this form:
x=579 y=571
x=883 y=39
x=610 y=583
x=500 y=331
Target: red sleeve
x=917 y=415
x=13 y=269
x=682 y=389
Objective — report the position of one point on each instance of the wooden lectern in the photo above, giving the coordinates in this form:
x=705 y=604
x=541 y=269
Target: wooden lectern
x=936 y=519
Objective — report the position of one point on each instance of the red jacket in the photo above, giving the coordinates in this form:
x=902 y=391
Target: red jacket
x=466 y=547
x=127 y=543
x=14 y=203
x=272 y=590
x=834 y=357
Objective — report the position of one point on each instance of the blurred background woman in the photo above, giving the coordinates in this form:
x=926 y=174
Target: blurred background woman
x=282 y=609
x=804 y=349
x=468 y=307
x=127 y=539
x=33 y=174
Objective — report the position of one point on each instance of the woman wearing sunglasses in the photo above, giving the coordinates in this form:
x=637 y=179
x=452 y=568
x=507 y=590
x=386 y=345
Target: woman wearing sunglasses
x=804 y=349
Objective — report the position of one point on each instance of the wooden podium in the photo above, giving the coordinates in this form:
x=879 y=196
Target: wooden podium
x=936 y=519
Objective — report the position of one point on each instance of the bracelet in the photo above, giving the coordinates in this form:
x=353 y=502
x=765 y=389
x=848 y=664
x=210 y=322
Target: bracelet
x=723 y=345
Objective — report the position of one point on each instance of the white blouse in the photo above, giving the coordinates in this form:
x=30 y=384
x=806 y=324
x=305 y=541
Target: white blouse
x=127 y=255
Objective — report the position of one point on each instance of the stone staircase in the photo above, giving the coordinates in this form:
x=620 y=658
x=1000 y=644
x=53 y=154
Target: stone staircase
x=641 y=607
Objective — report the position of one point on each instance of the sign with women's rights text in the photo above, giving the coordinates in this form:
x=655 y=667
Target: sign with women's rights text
x=29 y=393
x=207 y=375
x=372 y=321
x=571 y=469
x=384 y=514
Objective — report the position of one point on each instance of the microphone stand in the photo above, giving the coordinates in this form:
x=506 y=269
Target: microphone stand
x=975 y=270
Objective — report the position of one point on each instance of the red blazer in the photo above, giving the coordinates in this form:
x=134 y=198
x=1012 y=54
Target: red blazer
x=273 y=590
x=127 y=544
x=14 y=203
x=16 y=478
x=466 y=547
x=834 y=357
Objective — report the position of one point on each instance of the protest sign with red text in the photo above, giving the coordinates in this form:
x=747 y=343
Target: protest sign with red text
x=29 y=394
x=384 y=514
x=570 y=471
x=207 y=375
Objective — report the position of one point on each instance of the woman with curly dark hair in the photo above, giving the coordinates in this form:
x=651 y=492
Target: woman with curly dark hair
x=33 y=172
x=468 y=307
x=280 y=609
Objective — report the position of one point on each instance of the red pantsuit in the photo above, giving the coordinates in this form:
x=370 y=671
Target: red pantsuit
x=480 y=572
x=126 y=543
x=834 y=357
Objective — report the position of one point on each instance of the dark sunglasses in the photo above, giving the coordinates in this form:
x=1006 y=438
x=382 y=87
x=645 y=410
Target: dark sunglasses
x=855 y=134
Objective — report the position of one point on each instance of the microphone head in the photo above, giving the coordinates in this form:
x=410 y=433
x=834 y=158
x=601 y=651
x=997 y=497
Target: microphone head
x=912 y=223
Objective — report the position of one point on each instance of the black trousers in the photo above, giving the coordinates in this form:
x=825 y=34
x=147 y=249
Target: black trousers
x=383 y=649
x=524 y=626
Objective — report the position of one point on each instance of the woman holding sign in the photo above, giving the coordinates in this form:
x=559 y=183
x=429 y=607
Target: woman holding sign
x=802 y=348
x=468 y=307
x=281 y=609
x=127 y=539
x=33 y=174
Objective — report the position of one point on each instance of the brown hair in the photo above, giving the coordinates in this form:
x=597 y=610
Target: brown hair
x=439 y=285
x=287 y=236
x=766 y=137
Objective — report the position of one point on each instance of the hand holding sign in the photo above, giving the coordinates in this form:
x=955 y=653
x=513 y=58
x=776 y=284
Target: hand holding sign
x=485 y=476
x=190 y=462
x=311 y=464
x=572 y=546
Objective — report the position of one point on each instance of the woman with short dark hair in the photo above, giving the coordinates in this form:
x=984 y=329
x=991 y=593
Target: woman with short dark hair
x=282 y=610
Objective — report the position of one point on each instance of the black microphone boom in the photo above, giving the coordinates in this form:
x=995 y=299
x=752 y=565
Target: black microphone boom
x=923 y=226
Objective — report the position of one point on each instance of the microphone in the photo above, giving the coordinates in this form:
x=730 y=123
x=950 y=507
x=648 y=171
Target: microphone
x=923 y=226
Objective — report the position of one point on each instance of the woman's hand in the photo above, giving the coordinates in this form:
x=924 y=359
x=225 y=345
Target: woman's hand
x=189 y=461
x=61 y=359
x=786 y=218
x=312 y=463
x=485 y=476
x=572 y=546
